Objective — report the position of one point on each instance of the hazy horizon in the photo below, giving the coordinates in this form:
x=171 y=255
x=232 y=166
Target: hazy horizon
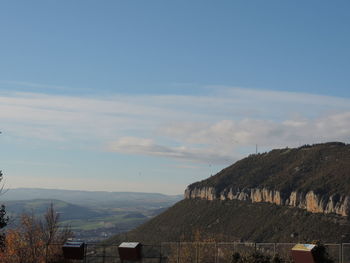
x=79 y=190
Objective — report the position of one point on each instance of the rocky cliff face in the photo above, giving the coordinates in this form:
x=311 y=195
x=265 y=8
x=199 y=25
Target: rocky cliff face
x=310 y=201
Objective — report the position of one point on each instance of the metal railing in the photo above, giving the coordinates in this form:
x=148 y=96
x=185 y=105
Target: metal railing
x=202 y=252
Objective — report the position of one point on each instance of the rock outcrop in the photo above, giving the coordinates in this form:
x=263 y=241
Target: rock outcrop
x=309 y=201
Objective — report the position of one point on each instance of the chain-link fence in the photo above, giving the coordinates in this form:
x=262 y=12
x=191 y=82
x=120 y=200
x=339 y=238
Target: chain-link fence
x=202 y=252
x=335 y=252
x=345 y=248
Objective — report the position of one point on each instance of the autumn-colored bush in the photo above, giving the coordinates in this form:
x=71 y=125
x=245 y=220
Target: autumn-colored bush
x=35 y=240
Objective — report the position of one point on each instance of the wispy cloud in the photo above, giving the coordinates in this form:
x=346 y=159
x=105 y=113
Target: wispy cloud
x=30 y=163
x=27 y=84
x=210 y=128
x=291 y=132
x=6 y=86
x=132 y=145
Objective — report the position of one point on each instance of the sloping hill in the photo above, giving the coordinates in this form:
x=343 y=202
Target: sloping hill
x=39 y=207
x=286 y=195
x=235 y=220
x=315 y=178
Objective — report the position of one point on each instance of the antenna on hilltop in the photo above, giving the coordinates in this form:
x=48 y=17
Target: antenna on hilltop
x=256 y=149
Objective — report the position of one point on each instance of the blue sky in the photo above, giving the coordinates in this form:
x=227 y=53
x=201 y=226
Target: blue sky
x=154 y=95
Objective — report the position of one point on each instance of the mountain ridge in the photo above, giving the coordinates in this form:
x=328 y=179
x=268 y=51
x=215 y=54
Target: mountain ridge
x=257 y=182
x=315 y=178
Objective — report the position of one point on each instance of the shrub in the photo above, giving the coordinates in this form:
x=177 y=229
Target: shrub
x=35 y=240
x=255 y=257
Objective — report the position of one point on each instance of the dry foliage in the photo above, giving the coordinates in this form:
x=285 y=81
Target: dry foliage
x=35 y=241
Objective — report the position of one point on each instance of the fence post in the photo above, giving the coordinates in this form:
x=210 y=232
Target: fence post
x=85 y=251
x=104 y=254
x=160 y=253
x=199 y=246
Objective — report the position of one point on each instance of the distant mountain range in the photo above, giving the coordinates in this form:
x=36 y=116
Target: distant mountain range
x=285 y=195
x=94 y=198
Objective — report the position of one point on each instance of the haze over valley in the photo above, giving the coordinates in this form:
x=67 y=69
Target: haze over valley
x=92 y=215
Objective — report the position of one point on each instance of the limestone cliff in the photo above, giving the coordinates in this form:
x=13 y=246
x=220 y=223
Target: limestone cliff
x=338 y=204
x=311 y=177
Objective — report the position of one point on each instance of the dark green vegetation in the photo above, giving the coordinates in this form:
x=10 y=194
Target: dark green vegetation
x=92 y=215
x=323 y=168
x=238 y=221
